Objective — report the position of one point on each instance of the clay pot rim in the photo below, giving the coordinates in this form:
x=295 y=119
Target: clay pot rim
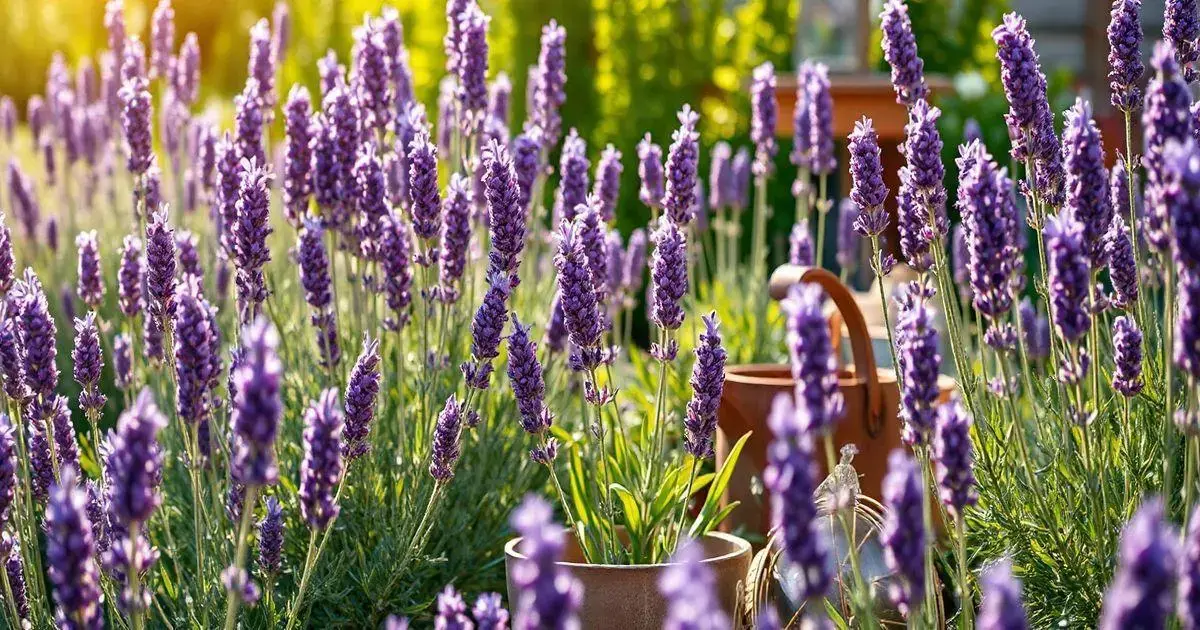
x=741 y=547
x=747 y=374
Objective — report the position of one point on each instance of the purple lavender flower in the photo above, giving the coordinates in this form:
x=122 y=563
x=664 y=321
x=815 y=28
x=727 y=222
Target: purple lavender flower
x=248 y=123
x=41 y=466
x=70 y=553
x=445 y=451
x=250 y=233
x=847 y=239
x=160 y=265
x=634 y=270
x=668 y=276
x=903 y=534
x=689 y=587
x=1024 y=84
x=527 y=162
x=900 y=51
x=1125 y=55
x=1181 y=27
x=135 y=121
x=953 y=454
x=1069 y=276
x=525 y=377
x=162 y=39
x=256 y=406
x=917 y=343
x=507 y=215
x=321 y=468
x=1142 y=591
x=8 y=467
x=556 y=328
x=608 y=182
x=547 y=595
x=472 y=64
x=720 y=177
x=764 y=111
x=397 y=273
x=187 y=245
x=1166 y=117
x=1127 y=356
x=451 y=611
x=114 y=24
x=270 y=538
x=362 y=392
x=650 y=172
x=1087 y=179
x=23 y=200
x=592 y=240
x=423 y=186
x=129 y=276
x=549 y=84
x=487 y=328
x=580 y=306
x=986 y=205
x=679 y=200
x=573 y=184
x=187 y=70
x=261 y=66
x=1001 y=608
x=708 y=381
x=800 y=246
x=37 y=333
x=1122 y=268
x=123 y=360
x=7 y=263
x=91 y=278
x=193 y=353
x=802 y=150
x=14 y=566
x=490 y=613
x=819 y=106
x=922 y=150
x=819 y=404
x=866 y=173
x=372 y=78
x=88 y=361
x=791 y=478
x=297 y=175
x=370 y=199
x=134 y=462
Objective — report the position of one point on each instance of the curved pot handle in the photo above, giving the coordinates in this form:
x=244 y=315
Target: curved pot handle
x=787 y=276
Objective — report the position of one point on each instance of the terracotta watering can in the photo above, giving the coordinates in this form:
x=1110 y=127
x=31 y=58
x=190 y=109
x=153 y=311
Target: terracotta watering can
x=872 y=401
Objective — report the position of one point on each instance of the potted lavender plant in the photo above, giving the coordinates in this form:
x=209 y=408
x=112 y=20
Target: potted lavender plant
x=628 y=489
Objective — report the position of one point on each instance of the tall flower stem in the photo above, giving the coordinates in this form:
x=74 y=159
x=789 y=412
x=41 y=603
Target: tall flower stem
x=193 y=447
x=822 y=210
x=309 y=561
x=964 y=592
x=1168 y=441
x=605 y=492
x=135 y=609
x=758 y=236
x=239 y=557
x=887 y=318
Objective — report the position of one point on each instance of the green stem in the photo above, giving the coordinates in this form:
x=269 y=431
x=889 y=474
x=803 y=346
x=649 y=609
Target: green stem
x=887 y=319
x=309 y=561
x=234 y=599
x=822 y=210
x=135 y=607
x=1168 y=441
x=966 y=606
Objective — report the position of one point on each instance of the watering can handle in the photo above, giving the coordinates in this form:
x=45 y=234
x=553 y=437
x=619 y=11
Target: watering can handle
x=787 y=276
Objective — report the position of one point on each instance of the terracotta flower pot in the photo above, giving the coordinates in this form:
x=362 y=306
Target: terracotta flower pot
x=627 y=597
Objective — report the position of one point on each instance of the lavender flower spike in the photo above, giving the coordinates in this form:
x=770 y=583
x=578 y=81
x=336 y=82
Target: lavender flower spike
x=297 y=172
x=900 y=51
x=549 y=83
x=1069 y=276
x=547 y=595
x=990 y=220
x=90 y=287
x=1122 y=268
x=1125 y=67
x=1127 y=356
x=1181 y=27
x=129 y=276
x=820 y=121
x=580 y=306
x=456 y=237
x=1166 y=117
x=1087 y=179
x=37 y=334
x=903 y=534
x=270 y=538
x=489 y=612
x=508 y=216
x=800 y=250
x=135 y=462
x=689 y=587
x=917 y=342
x=573 y=182
x=445 y=450
x=1001 y=608
x=250 y=238
x=362 y=392
x=8 y=467
x=679 y=200
x=7 y=262
x=668 y=276
x=321 y=468
x=472 y=67
x=1142 y=591
x=194 y=362
x=70 y=552
x=426 y=202
x=608 y=182
x=953 y=454
x=257 y=406
x=160 y=265
x=819 y=403
x=650 y=172
x=866 y=173
x=762 y=121
x=708 y=381
x=135 y=121
x=525 y=377
x=88 y=362
x=791 y=477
